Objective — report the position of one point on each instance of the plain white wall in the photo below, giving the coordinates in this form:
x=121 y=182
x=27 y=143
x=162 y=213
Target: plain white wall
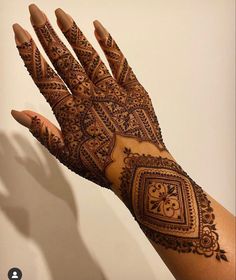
x=56 y=225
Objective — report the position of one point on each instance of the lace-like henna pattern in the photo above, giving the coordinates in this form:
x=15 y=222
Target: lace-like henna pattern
x=118 y=63
x=170 y=207
x=91 y=116
x=51 y=86
x=49 y=140
x=89 y=58
x=130 y=91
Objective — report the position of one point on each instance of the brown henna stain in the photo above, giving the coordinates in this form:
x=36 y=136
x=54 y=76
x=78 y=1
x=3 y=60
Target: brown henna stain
x=98 y=111
x=170 y=207
x=92 y=116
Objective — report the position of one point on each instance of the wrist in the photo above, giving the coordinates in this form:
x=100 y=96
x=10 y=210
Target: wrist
x=114 y=170
x=171 y=209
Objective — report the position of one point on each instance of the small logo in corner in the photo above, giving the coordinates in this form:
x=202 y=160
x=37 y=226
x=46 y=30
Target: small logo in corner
x=14 y=274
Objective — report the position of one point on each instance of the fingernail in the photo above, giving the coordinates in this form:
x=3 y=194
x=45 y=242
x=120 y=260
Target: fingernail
x=64 y=21
x=37 y=18
x=21 y=36
x=100 y=30
x=21 y=118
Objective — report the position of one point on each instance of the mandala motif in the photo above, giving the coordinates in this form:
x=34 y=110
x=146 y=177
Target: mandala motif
x=169 y=206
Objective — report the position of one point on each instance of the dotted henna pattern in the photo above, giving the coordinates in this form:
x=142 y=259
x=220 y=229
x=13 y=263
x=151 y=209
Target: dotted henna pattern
x=96 y=108
x=169 y=206
x=92 y=107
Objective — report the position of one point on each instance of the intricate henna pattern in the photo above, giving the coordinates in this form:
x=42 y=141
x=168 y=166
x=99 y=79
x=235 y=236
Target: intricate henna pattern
x=169 y=206
x=89 y=58
x=92 y=115
x=92 y=108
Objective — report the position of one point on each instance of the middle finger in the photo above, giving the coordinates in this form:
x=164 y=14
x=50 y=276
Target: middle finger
x=66 y=65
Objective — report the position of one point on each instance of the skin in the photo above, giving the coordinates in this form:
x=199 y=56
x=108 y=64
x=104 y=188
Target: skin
x=182 y=265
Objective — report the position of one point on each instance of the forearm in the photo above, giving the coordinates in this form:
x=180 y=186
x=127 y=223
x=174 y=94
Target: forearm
x=195 y=266
x=191 y=231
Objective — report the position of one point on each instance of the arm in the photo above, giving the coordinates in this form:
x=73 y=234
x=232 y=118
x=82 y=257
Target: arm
x=110 y=135
x=193 y=233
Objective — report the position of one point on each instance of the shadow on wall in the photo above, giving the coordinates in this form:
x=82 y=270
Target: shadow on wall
x=41 y=216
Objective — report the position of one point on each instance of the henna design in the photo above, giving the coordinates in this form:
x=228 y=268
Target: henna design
x=119 y=64
x=170 y=207
x=46 y=138
x=89 y=58
x=91 y=116
x=51 y=86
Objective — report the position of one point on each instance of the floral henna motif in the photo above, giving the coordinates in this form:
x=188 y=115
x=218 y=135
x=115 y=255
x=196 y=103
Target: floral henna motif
x=162 y=199
x=91 y=116
x=170 y=207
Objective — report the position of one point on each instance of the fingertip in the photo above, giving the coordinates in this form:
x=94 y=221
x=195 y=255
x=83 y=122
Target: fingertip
x=21 y=118
x=37 y=17
x=64 y=20
x=21 y=35
x=33 y=8
x=15 y=26
x=100 y=30
x=58 y=11
x=96 y=23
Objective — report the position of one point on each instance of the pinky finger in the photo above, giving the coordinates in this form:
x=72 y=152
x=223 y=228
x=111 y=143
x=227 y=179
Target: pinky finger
x=43 y=130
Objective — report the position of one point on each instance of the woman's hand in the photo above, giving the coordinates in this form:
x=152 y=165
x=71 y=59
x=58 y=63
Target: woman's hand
x=98 y=108
x=110 y=135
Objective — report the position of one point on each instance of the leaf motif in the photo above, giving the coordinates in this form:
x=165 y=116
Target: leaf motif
x=223 y=257
x=222 y=251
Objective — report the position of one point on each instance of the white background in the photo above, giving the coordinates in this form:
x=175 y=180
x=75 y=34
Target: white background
x=56 y=225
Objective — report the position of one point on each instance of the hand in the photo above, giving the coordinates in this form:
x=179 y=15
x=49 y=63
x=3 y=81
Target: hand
x=97 y=108
x=110 y=135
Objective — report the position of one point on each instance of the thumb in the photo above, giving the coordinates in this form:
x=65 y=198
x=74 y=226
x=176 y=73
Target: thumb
x=42 y=129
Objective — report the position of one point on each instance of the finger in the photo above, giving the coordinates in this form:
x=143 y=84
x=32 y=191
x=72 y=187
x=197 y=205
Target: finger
x=66 y=65
x=121 y=70
x=48 y=82
x=89 y=58
x=42 y=129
